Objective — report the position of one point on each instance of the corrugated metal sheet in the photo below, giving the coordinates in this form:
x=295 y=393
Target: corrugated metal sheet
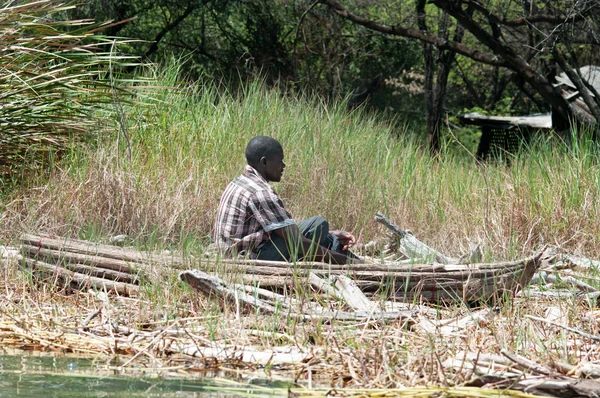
x=536 y=121
x=589 y=73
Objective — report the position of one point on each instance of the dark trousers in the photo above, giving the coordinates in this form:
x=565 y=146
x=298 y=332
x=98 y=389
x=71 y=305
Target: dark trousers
x=314 y=228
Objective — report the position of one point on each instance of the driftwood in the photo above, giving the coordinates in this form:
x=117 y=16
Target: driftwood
x=455 y=326
x=411 y=247
x=432 y=282
x=566 y=279
x=355 y=298
x=439 y=282
x=581 y=263
x=100 y=250
x=542 y=385
x=533 y=293
x=322 y=285
x=345 y=290
x=82 y=280
x=203 y=348
x=82 y=264
x=62 y=256
x=212 y=285
x=243 y=354
x=519 y=373
x=570 y=329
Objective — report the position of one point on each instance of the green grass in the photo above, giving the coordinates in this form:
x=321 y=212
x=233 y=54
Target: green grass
x=188 y=143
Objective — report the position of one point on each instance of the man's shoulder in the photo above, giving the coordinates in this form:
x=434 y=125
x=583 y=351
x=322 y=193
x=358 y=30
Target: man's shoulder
x=248 y=184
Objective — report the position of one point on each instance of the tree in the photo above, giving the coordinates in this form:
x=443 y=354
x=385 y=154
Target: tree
x=296 y=45
x=436 y=83
x=521 y=38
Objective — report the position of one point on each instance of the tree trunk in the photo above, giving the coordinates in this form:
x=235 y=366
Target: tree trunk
x=435 y=93
x=430 y=115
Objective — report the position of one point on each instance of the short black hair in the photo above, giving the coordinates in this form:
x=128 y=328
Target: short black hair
x=260 y=146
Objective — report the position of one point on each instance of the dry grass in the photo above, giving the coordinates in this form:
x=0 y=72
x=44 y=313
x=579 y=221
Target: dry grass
x=149 y=332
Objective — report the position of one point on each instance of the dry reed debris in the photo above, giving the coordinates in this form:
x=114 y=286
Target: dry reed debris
x=500 y=346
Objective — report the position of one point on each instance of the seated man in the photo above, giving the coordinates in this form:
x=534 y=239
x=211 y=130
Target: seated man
x=252 y=220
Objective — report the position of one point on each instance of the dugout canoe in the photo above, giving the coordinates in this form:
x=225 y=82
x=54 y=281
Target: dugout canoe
x=128 y=268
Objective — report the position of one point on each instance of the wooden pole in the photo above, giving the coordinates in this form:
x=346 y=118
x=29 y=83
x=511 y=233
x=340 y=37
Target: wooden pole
x=81 y=279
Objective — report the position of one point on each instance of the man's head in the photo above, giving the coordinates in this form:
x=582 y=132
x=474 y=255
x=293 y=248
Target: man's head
x=265 y=154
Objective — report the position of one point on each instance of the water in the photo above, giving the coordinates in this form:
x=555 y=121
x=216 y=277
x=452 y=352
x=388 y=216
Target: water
x=42 y=376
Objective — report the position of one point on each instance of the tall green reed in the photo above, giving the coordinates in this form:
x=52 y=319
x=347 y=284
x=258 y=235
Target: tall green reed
x=55 y=75
x=188 y=143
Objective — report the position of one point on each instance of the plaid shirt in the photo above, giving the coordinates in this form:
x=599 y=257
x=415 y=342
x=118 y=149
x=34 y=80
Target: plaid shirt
x=248 y=211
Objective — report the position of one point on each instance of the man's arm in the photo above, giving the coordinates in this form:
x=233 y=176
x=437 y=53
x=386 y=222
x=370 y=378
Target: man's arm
x=310 y=249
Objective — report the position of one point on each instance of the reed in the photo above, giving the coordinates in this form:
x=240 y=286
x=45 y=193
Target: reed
x=56 y=77
x=185 y=147
x=188 y=144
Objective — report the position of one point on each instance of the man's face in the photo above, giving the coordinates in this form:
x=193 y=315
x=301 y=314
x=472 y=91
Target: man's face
x=274 y=166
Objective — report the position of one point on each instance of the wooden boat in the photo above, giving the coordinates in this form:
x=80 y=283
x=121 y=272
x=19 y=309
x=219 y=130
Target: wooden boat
x=124 y=269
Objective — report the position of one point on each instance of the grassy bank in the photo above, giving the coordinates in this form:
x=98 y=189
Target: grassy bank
x=161 y=187
x=187 y=145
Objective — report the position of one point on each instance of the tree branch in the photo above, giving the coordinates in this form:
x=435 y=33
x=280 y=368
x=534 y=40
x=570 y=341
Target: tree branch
x=300 y=22
x=442 y=44
x=469 y=85
x=511 y=59
x=532 y=19
x=154 y=47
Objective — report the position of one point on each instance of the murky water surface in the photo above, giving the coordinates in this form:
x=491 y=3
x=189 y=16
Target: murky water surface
x=41 y=376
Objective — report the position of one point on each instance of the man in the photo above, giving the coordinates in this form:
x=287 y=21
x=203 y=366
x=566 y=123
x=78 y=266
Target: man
x=252 y=219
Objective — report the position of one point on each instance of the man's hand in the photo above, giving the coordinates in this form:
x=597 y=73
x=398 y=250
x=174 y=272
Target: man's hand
x=347 y=240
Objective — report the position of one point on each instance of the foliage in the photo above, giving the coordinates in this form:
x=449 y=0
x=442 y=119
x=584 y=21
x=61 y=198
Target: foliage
x=308 y=47
x=54 y=76
x=514 y=39
x=300 y=46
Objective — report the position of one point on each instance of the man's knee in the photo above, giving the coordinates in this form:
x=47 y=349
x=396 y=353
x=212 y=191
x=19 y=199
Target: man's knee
x=314 y=225
x=276 y=249
x=318 y=221
x=315 y=228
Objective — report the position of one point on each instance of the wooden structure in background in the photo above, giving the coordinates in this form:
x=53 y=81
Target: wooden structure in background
x=589 y=74
x=503 y=135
